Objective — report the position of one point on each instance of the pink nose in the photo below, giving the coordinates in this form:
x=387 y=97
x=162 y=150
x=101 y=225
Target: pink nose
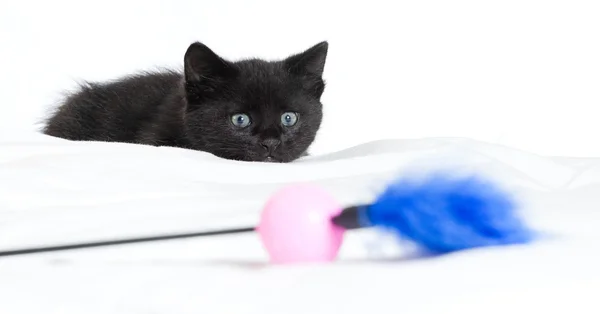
x=295 y=226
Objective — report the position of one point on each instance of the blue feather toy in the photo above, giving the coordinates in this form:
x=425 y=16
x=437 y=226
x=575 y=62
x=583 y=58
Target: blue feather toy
x=439 y=213
x=442 y=214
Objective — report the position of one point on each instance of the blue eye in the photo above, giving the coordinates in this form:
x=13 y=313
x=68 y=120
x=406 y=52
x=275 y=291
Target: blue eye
x=289 y=118
x=240 y=120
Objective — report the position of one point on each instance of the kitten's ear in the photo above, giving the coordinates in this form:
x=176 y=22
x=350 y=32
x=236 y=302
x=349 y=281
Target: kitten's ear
x=311 y=61
x=201 y=64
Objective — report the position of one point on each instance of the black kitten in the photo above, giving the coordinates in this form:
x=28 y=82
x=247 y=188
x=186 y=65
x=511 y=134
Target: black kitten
x=252 y=110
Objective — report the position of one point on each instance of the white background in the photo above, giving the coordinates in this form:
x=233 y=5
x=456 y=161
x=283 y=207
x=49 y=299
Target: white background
x=522 y=73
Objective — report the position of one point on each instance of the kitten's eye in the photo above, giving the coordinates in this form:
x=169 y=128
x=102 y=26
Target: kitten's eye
x=289 y=118
x=240 y=120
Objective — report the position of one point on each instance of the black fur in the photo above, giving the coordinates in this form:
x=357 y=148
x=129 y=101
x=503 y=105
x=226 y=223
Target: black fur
x=194 y=108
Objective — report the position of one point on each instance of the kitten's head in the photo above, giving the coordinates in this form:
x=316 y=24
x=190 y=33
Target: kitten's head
x=254 y=110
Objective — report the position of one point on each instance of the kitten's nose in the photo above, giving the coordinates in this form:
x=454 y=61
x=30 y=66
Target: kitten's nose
x=270 y=144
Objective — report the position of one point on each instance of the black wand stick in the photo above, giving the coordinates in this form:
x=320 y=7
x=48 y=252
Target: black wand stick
x=347 y=219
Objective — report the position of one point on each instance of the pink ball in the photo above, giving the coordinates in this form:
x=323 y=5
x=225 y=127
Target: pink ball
x=295 y=226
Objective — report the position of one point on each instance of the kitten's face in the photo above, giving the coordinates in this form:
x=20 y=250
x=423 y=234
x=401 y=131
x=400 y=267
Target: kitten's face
x=254 y=110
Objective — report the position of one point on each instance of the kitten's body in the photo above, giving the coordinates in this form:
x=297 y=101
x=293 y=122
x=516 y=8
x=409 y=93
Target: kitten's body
x=145 y=108
x=194 y=109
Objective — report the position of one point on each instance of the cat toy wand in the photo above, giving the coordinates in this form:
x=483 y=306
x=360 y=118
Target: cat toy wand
x=303 y=223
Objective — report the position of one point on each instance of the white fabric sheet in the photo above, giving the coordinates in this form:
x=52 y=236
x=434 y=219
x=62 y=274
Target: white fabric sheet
x=56 y=192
